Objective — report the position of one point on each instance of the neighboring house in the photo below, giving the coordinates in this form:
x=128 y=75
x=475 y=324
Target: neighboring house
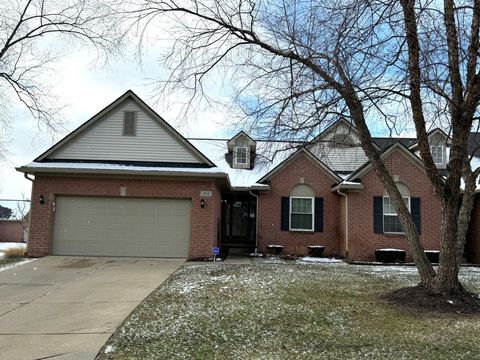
x=11 y=230
x=125 y=183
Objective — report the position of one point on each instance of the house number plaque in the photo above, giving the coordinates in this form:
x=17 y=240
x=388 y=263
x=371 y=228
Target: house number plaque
x=206 y=193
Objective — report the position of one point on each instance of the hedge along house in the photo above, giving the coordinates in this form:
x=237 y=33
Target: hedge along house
x=125 y=183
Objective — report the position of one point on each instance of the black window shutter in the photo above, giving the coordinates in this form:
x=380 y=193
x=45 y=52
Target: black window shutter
x=319 y=214
x=285 y=216
x=378 y=214
x=415 y=211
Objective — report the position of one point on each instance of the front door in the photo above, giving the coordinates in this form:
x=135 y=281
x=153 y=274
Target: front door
x=238 y=221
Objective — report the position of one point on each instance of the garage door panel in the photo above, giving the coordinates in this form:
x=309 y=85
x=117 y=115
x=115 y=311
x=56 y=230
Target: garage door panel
x=121 y=227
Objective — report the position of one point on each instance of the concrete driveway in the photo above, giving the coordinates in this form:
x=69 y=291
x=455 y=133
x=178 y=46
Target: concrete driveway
x=67 y=307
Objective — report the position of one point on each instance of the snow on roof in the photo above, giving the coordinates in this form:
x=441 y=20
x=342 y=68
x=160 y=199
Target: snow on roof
x=269 y=155
x=99 y=167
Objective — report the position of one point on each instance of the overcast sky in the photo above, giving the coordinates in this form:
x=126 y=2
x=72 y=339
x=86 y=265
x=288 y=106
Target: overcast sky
x=86 y=89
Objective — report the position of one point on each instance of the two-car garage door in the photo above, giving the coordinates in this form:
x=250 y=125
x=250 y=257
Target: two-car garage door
x=95 y=226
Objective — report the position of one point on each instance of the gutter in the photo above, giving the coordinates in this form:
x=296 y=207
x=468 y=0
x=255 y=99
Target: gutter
x=250 y=188
x=256 y=221
x=345 y=195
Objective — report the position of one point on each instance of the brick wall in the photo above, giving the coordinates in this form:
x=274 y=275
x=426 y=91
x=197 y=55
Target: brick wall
x=362 y=240
x=11 y=230
x=204 y=222
x=473 y=237
x=269 y=206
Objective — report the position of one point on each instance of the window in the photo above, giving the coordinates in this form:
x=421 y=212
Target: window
x=438 y=154
x=301 y=213
x=129 y=123
x=241 y=155
x=391 y=221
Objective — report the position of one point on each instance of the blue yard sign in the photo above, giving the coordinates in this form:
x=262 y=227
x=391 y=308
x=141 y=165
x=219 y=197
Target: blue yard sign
x=215 y=251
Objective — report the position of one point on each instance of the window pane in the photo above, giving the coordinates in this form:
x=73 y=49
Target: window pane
x=437 y=154
x=301 y=221
x=388 y=207
x=391 y=223
x=302 y=206
x=241 y=155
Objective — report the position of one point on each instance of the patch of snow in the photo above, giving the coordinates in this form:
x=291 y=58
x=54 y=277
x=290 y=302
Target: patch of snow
x=433 y=251
x=450 y=301
x=309 y=259
x=215 y=150
x=14 y=265
x=109 y=349
x=9 y=245
x=316 y=246
x=121 y=168
x=387 y=249
x=377 y=269
x=275 y=246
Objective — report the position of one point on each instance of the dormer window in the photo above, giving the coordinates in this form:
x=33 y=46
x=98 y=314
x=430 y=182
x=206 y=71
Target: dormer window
x=241 y=156
x=129 y=123
x=438 y=154
x=241 y=151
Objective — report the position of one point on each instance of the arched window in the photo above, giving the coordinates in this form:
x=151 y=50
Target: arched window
x=391 y=221
x=302 y=208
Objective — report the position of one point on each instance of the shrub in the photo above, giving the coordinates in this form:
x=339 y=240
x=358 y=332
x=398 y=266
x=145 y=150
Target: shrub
x=14 y=252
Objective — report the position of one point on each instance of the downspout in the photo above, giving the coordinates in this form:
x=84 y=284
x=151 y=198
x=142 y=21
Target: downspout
x=25 y=175
x=346 y=220
x=256 y=221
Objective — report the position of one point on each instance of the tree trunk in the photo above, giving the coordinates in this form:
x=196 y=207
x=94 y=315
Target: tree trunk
x=425 y=268
x=449 y=264
x=466 y=208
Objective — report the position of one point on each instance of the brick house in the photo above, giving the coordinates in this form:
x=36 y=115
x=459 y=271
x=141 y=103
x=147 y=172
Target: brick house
x=125 y=183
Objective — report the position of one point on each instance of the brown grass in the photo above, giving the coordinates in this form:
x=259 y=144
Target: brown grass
x=14 y=252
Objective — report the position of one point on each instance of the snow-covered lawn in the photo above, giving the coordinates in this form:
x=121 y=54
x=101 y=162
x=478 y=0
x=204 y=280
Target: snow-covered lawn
x=288 y=310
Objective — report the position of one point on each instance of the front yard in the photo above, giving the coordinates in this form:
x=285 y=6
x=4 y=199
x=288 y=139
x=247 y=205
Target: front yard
x=277 y=310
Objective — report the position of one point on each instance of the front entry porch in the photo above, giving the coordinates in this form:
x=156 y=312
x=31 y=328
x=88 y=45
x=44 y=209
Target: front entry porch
x=238 y=222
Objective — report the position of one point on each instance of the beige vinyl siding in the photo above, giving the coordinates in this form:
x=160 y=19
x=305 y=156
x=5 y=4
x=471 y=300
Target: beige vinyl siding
x=105 y=141
x=96 y=226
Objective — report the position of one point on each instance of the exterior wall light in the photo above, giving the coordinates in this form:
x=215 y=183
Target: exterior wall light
x=202 y=203
x=41 y=200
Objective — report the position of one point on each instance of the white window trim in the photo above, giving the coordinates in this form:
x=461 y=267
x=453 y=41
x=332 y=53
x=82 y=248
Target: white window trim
x=443 y=154
x=393 y=214
x=236 y=158
x=290 y=213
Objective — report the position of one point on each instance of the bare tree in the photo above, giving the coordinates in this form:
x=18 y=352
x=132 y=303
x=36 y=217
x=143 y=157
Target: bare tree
x=34 y=34
x=298 y=65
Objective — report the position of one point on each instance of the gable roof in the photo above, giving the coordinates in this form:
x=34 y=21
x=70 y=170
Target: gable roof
x=365 y=168
x=432 y=132
x=241 y=133
x=104 y=112
x=385 y=142
x=336 y=124
x=293 y=157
